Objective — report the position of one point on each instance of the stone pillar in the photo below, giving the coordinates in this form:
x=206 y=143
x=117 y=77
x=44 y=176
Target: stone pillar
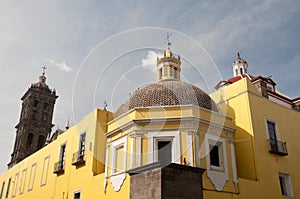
x=161 y=181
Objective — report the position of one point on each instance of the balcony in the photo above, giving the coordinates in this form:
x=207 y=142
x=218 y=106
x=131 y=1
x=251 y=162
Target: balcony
x=78 y=158
x=59 y=167
x=277 y=147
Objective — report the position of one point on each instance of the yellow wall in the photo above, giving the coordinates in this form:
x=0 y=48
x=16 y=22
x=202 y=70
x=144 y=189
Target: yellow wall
x=83 y=178
x=257 y=168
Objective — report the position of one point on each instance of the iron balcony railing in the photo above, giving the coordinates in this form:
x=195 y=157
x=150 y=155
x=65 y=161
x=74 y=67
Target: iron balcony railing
x=59 y=167
x=78 y=157
x=277 y=147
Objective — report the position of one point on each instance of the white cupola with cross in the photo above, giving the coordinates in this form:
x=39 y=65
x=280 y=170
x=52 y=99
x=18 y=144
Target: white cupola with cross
x=239 y=66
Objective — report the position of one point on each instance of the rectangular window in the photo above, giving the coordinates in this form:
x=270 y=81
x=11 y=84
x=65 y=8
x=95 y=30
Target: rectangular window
x=286 y=185
x=8 y=186
x=15 y=185
x=2 y=189
x=82 y=144
x=32 y=177
x=275 y=145
x=45 y=171
x=23 y=180
x=271 y=130
x=62 y=154
x=164 y=151
x=77 y=195
x=215 y=155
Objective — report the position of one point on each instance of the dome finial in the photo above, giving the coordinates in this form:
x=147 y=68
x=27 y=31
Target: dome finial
x=44 y=70
x=168 y=40
x=238 y=54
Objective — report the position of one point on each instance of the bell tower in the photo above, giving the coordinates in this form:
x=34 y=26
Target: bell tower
x=35 y=121
x=239 y=66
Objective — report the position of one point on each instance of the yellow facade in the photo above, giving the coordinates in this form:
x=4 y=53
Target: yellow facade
x=258 y=169
x=232 y=143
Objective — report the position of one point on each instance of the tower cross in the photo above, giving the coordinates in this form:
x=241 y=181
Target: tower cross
x=168 y=39
x=44 y=68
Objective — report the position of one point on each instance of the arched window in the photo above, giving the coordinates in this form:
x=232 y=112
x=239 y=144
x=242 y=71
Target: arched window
x=29 y=139
x=46 y=106
x=35 y=103
x=44 y=118
x=241 y=69
x=160 y=73
x=41 y=141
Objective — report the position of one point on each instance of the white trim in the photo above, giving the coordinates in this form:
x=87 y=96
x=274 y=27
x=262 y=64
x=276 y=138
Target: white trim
x=77 y=191
x=117 y=178
x=267 y=119
x=173 y=136
x=218 y=178
x=220 y=154
x=106 y=167
x=288 y=184
x=117 y=181
x=189 y=143
x=233 y=164
x=45 y=170
x=115 y=145
x=131 y=162
x=138 y=150
x=197 y=149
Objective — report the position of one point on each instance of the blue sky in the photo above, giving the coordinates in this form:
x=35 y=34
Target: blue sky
x=78 y=40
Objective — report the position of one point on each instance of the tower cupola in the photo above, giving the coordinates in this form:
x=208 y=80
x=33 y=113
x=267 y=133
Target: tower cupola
x=168 y=66
x=239 y=66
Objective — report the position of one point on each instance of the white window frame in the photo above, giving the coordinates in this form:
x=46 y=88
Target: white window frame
x=23 y=181
x=164 y=139
x=220 y=152
x=15 y=187
x=32 y=177
x=45 y=170
x=152 y=145
x=288 y=189
x=115 y=145
x=276 y=128
x=77 y=191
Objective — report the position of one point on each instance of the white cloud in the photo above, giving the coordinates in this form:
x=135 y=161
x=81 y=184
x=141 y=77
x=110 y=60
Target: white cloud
x=149 y=62
x=62 y=66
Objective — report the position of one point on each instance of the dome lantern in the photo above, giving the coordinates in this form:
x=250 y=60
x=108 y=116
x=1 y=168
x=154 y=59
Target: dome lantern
x=168 y=66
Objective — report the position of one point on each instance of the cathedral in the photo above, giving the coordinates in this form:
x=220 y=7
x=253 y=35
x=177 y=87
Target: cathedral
x=170 y=139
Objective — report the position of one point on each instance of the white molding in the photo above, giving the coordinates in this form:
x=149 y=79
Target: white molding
x=115 y=145
x=131 y=162
x=288 y=182
x=197 y=143
x=173 y=136
x=117 y=181
x=218 y=178
x=233 y=164
x=190 y=148
x=106 y=167
x=138 y=150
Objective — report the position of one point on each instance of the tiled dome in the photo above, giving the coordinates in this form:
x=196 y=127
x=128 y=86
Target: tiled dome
x=169 y=93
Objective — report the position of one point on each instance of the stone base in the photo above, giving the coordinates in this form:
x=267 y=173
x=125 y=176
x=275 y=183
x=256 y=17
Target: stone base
x=159 y=180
